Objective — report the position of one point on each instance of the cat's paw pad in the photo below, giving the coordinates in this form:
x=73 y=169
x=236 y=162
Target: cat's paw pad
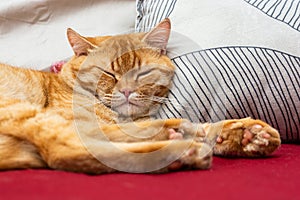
x=254 y=138
x=247 y=137
x=198 y=156
x=175 y=135
x=254 y=134
x=187 y=130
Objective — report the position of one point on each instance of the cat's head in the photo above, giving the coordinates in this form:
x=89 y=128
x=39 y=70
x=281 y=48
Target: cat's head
x=129 y=73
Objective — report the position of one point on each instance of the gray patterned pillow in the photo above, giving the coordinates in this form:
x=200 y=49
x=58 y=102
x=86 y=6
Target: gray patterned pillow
x=248 y=63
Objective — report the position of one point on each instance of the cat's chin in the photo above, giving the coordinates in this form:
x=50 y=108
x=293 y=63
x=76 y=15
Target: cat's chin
x=130 y=110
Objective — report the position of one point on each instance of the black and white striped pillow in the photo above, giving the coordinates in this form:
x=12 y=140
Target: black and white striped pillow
x=233 y=78
x=287 y=11
x=150 y=12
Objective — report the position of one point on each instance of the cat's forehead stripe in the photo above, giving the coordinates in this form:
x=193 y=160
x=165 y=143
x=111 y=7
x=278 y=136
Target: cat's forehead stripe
x=126 y=62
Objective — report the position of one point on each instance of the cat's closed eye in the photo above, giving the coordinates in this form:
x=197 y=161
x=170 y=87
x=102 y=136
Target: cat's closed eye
x=144 y=74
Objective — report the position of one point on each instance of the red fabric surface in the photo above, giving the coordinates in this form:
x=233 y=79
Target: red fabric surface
x=273 y=178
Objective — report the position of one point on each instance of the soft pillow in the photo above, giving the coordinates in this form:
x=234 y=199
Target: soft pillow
x=247 y=62
x=32 y=32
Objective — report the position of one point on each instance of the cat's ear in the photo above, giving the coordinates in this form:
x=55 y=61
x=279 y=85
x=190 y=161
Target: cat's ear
x=158 y=37
x=79 y=44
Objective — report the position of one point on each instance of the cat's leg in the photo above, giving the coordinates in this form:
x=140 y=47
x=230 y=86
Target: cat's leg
x=155 y=130
x=136 y=157
x=62 y=149
x=158 y=156
x=59 y=145
x=243 y=137
x=17 y=153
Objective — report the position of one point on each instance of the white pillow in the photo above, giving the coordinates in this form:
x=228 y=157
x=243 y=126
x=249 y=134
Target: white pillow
x=216 y=23
x=33 y=33
x=247 y=62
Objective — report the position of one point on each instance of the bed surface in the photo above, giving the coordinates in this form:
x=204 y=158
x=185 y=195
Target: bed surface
x=273 y=178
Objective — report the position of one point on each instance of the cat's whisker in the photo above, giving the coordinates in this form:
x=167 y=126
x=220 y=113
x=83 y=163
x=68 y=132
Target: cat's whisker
x=146 y=99
x=171 y=101
x=111 y=98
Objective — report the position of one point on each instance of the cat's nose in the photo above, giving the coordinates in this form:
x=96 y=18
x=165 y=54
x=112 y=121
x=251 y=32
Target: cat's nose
x=126 y=92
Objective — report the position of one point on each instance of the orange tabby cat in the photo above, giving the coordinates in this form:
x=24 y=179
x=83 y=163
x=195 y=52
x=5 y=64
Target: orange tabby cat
x=94 y=116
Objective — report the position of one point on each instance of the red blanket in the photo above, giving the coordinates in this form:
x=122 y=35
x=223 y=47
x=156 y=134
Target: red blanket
x=277 y=177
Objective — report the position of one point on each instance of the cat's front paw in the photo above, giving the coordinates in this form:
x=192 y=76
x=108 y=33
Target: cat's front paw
x=197 y=156
x=199 y=153
x=246 y=137
x=188 y=130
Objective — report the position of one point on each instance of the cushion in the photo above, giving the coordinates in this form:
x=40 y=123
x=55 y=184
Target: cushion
x=33 y=33
x=245 y=61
